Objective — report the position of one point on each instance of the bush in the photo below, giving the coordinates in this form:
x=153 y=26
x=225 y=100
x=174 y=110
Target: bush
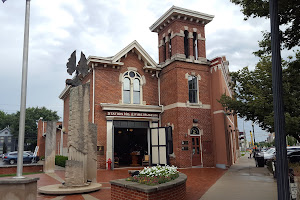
x=61 y=160
x=155 y=175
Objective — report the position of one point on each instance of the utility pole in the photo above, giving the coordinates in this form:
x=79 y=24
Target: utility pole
x=279 y=121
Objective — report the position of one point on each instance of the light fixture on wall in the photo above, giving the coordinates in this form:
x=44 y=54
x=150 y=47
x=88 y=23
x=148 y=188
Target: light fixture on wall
x=119 y=132
x=131 y=130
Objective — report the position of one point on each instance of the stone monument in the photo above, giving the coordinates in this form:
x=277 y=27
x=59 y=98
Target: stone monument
x=82 y=140
x=50 y=147
x=81 y=166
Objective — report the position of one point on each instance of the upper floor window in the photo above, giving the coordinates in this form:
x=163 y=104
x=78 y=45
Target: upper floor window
x=186 y=43
x=195 y=45
x=170 y=46
x=193 y=89
x=132 y=88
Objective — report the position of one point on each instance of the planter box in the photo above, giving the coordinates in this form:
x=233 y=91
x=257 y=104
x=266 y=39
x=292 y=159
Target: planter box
x=175 y=190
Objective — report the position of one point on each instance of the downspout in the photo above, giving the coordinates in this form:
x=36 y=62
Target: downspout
x=93 y=114
x=157 y=75
x=61 y=138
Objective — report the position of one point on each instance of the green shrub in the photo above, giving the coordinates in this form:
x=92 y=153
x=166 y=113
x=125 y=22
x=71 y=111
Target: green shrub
x=61 y=160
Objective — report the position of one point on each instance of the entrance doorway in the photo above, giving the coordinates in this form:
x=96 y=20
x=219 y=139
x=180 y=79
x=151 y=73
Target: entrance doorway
x=196 y=151
x=130 y=146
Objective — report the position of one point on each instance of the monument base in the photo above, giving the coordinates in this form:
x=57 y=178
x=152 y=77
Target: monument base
x=58 y=190
x=18 y=189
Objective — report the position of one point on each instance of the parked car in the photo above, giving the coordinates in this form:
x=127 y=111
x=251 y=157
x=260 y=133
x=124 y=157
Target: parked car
x=293 y=148
x=269 y=154
x=293 y=156
x=12 y=157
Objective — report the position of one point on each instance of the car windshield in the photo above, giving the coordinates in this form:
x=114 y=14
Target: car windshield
x=272 y=150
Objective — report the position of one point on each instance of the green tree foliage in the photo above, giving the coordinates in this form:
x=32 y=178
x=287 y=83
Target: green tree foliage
x=33 y=114
x=253 y=99
x=289 y=21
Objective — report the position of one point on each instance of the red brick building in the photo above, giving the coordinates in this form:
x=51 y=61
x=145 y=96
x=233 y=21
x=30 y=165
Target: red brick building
x=131 y=95
x=61 y=138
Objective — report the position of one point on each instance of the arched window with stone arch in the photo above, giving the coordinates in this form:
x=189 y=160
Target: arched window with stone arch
x=132 y=88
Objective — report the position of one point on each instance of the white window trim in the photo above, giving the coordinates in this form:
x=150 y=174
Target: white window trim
x=131 y=87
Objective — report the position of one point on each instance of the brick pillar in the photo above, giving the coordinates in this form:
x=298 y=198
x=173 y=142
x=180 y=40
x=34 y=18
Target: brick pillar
x=201 y=48
x=178 y=45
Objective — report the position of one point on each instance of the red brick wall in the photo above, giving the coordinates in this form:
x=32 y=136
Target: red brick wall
x=40 y=138
x=175 y=193
x=108 y=89
x=26 y=169
x=174 y=88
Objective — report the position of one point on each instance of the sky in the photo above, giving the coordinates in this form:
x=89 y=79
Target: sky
x=103 y=28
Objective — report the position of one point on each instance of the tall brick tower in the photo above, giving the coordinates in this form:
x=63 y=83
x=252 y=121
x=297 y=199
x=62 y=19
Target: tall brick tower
x=185 y=85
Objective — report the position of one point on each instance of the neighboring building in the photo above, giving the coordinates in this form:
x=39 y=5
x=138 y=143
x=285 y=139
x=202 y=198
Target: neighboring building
x=61 y=138
x=6 y=139
x=131 y=95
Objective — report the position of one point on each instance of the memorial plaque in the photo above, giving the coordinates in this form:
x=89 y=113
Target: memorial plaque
x=100 y=150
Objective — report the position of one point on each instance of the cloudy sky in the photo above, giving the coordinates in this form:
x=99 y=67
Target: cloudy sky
x=102 y=28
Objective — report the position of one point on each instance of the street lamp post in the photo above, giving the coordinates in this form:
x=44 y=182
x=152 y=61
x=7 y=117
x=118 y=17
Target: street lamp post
x=253 y=133
x=279 y=120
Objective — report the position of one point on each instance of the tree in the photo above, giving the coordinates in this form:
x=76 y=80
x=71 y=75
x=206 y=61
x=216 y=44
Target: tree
x=253 y=98
x=289 y=21
x=32 y=116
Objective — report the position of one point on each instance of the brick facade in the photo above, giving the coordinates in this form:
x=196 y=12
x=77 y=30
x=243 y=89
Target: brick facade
x=165 y=92
x=41 y=137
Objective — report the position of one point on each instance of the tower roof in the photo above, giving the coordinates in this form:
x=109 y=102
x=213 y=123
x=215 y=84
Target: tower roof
x=180 y=13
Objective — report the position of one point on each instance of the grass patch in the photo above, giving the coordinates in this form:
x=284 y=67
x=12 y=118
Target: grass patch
x=27 y=173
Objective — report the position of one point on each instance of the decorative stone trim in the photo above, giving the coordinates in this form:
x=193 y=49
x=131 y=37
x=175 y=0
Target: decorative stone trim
x=182 y=57
x=121 y=187
x=187 y=105
x=131 y=107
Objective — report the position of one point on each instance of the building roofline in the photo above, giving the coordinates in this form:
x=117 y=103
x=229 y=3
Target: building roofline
x=174 y=10
x=115 y=60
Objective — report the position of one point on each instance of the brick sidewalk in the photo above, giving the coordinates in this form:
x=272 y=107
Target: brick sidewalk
x=198 y=182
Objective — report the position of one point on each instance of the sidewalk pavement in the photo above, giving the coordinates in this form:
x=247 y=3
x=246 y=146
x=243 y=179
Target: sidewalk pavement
x=244 y=181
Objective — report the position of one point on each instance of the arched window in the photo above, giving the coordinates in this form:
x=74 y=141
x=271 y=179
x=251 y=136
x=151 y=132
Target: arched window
x=195 y=45
x=132 y=88
x=193 y=89
x=186 y=43
x=126 y=90
x=170 y=46
x=165 y=49
x=136 y=91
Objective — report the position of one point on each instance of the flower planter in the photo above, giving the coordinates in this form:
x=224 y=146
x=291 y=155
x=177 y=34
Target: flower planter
x=175 y=190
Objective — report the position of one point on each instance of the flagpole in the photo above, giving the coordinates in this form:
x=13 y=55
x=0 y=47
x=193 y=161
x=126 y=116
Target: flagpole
x=23 y=93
